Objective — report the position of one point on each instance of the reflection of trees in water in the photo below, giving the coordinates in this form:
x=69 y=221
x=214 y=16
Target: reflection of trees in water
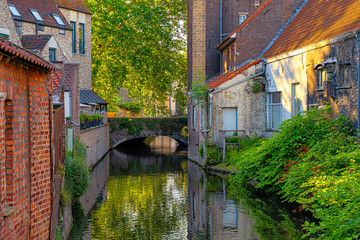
x=273 y=219
x=143 y=207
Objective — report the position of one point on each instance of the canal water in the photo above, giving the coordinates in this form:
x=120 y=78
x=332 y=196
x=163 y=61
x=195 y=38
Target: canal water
x=151 y=191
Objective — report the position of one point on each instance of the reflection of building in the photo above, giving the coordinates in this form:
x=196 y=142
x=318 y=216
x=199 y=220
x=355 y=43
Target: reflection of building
x=162 y=144
x=211 y=214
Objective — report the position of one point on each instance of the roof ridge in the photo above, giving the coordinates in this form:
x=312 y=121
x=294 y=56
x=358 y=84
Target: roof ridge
x=283 y=28
x=251 y=17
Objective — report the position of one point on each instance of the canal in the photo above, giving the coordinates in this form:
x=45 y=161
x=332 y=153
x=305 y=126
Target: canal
x=151 y=191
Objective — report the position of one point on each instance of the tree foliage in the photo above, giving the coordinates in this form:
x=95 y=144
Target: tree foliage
x=139 y=45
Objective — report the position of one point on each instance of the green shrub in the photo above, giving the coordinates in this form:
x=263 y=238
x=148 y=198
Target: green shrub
x=213 y=155
x=82 y=118
x=131 y=106
x=315 y=161
x=65 y=197
x=77 y=173
x=90 y=118
x=201 y=150
x=76 y=176
x=97 y=117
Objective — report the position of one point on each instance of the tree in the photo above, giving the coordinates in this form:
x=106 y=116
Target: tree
x=139 y=45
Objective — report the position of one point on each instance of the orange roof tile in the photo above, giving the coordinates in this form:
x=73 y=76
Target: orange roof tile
x=16 y=51
x=77 y=5
x=317 y=21
x=229 y=75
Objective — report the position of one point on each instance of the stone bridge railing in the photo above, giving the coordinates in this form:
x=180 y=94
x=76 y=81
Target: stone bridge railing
x=125 y=129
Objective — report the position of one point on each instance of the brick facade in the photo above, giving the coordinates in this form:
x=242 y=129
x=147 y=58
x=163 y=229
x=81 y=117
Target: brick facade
x=203 y=38
x=25 y=140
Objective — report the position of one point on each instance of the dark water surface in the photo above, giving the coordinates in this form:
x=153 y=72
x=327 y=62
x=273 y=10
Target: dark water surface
x=154 y=192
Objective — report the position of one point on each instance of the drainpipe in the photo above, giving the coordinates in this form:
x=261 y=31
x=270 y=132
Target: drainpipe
x=358 y=82
x=221 y=6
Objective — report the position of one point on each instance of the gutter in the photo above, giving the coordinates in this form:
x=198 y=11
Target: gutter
x=241 y=81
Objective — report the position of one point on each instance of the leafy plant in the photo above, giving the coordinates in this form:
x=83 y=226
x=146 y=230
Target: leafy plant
x=213 y=155
x=77 y=173
x=131 y=106
x=313 y=160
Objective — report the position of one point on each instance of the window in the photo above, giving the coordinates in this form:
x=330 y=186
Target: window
x=73 y=25
x=322 y=77
x=242 y=18
x=58 y=19
x=82 y=38
x=347 y=74
x=193 y=117
x=36 y=15
x=52 y=54
x=14 y=11
x=274 y=110
x=62 y=31
x=295 y=99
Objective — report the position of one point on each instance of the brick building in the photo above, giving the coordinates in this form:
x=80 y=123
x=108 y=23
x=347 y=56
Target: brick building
x=209 y=23
x=235 y=48
x=67 y=25
x=25 y=140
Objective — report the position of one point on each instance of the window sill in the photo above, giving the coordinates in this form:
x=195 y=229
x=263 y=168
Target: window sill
x=9 y=210
x=319 y=89
x=272 y=130
x=347 y=86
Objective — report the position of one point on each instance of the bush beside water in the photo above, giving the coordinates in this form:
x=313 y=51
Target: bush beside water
x=314 y=161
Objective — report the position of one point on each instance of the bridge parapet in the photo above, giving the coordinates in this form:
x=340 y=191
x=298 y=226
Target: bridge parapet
x=125 y=129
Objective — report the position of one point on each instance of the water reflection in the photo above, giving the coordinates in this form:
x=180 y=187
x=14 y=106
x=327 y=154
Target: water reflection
x=153 y=192
x=212 y=214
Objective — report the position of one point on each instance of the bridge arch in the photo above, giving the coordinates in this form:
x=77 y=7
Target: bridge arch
x=126 y=129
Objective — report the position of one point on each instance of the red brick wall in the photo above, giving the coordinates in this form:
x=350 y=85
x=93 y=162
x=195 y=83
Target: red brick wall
x=27 y=151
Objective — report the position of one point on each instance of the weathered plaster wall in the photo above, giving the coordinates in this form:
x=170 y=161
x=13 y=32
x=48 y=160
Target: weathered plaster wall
x=281 y=74
x=96 y=141
x=251 y=107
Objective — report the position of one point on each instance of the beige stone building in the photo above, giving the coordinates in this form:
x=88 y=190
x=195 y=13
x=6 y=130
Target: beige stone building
x=67 y=25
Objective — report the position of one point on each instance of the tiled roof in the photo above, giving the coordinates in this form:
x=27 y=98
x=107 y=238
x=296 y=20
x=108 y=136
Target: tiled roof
x=35 y=42
x=319 y=20
x=44 y=7
x=22 y=54
x=229 y=75
x=88 y=96
x=77 y=5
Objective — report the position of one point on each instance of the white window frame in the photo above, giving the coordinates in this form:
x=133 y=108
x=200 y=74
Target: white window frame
x=58 y=19
x=270 y=105
x=36 y=14
x=322 y=77
x=242 y=17
x=14 y=10
x=295 y=96
x=67 y=104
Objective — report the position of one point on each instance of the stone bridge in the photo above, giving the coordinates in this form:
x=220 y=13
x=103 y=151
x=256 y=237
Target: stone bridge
x=125 y=129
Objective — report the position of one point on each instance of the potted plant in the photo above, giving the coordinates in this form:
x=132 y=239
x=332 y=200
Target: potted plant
x=82 y=121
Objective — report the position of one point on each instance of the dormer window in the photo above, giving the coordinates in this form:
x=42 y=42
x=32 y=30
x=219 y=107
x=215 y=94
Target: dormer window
x=58 y=19
x=242 y=17
x=36 y=15
x=14 y=11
